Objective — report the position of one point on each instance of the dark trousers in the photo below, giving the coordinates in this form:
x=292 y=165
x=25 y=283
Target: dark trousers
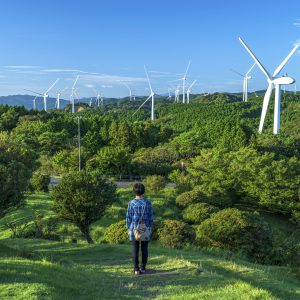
x=135 y=253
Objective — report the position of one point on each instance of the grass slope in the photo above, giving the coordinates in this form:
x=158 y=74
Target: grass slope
x=36 y=269
x=39 y=269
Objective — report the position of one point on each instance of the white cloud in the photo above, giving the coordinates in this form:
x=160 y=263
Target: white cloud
x=22 y=67
x=64 y=71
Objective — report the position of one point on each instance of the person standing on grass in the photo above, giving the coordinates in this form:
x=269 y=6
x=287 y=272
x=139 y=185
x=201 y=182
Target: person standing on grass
x=139 y=214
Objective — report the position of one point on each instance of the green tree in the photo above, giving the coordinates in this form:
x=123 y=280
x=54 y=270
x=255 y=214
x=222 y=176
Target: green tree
x=17 y=162
x=82 y=198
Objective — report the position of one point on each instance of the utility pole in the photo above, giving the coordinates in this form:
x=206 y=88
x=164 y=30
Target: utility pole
x=79 y=149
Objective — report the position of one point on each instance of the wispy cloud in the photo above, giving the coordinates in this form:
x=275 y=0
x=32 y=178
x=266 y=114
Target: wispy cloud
x=22 y=67
x=64 y=71
x=297 y=23
x=105 y=79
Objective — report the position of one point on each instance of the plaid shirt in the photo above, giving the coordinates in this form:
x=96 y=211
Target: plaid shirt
x=134 y=213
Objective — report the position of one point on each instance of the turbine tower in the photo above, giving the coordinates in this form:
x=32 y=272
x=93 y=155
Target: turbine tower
x=189 y=91
x=246 y=78
x=276 y=81
x=184 y=82
x=34 y=102
x=150 y=96
x=73 y=93
x=57 y=103
x=177 y=91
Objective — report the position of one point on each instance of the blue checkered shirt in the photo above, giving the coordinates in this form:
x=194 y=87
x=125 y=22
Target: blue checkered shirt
x=134 y=214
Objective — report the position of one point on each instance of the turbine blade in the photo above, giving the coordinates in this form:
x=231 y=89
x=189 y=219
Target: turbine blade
x=34 y=92
x=256 y=59
x=142 y=104
x=187 y=70
x=277 y=71
x=265 y=107
x=75 y=81
x=148 y=79
x=192 y=84
x=237 y=72
x=50 y=88
x=250 y=69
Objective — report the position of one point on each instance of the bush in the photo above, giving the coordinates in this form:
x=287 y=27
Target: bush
x=116 y=233
x=188 y=198
x=40 y=182
x=197 y=213
x=155 y=183
x=175 y=234
x=238 y=231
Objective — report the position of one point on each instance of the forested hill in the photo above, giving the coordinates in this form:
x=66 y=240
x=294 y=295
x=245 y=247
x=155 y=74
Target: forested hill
x=210 y=148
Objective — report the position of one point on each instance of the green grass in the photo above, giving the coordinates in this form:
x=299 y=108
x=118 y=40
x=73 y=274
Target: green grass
x=40 y=269
x=37 y=269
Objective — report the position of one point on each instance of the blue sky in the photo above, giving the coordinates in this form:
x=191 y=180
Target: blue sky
x=108 y=42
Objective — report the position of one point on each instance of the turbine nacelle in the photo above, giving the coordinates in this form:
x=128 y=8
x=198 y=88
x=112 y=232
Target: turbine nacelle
x=285 y=80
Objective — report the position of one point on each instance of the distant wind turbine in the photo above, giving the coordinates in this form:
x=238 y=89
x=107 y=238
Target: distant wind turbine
x=184 y=82
x=45 y=95
x=150 y=96
x=246 y=78
x=73 y=93
x=189 y=91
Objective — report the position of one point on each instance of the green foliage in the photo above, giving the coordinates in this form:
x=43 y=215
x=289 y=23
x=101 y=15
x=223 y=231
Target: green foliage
x=17 y=162
x=81 y=198
x=197 y=213
x=116 y=233
x=187 y=198
x=111 y=161
x=238 y=231
x=175 y=234
x=155 y=183
x=182 y=180
x=40 y=182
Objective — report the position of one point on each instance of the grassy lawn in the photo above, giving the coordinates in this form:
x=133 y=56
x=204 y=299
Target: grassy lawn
x=40 y=269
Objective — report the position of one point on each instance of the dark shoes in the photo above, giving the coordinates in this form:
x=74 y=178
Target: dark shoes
x=139 y=272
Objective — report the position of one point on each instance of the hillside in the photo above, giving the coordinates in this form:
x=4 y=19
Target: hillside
x=41 y=269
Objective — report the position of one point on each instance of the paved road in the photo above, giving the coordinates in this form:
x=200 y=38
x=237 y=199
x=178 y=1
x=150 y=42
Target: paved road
x=119 y=183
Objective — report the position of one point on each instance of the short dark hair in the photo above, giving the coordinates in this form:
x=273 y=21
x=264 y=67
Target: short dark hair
x=139 y=189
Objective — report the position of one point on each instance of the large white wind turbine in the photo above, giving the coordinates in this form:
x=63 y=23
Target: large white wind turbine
x=184 y=82
x=45 y=95
x=246 y=78
x=276 y=81
x=189 y=91
x=73 y=93
x=150 y=96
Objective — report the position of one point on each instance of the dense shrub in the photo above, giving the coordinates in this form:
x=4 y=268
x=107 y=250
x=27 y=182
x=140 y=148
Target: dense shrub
x=40 y=182
x=155 y=183
x=175 y=234
x=286 y=250
x=197 y=213
x=116 y=233
x=238 y=231
x=187 y=198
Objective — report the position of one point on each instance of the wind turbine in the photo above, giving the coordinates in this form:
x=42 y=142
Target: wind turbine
x=170 y=96
x=130 y=92
x=57 y=103
x=150 y=96
x=189 y=91
x=177 y=91
x=276 y=81
x=245 y=82
x=184 y=82
x=98 y=98
x=45 y=95
x=73 y=93
x=34 y=102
